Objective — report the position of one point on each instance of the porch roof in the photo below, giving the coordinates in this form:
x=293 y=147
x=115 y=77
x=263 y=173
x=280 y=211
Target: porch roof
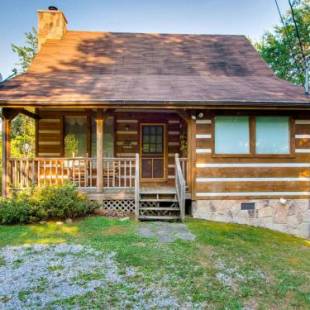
x=102 y=67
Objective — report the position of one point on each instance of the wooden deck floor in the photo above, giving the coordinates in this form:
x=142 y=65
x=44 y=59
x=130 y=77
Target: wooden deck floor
x=110 y=194
x=119 y=193
x=158 y=189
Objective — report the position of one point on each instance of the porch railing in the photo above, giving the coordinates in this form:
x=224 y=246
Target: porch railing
x=137 y=186
x=117 y=172
x=184 y=168
x=180 y=186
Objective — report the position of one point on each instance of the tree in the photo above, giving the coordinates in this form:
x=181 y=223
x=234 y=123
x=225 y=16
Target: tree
x=281 y=48
x=22 y=136
x=23 y=127
x=27 y=52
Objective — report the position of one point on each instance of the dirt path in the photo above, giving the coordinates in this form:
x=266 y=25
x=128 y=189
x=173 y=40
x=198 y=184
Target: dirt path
x=166 y=232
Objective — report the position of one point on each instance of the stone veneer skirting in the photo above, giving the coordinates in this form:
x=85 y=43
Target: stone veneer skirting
x=290 y=216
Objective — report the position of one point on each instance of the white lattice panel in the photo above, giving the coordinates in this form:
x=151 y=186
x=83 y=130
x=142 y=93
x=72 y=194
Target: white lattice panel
x=126 y=206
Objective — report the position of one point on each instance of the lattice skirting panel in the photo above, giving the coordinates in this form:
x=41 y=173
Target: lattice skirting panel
x=146 y=208
x=149 y=204
x=122 y=206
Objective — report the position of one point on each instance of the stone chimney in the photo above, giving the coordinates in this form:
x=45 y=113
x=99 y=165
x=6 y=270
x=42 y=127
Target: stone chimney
x=52 y=25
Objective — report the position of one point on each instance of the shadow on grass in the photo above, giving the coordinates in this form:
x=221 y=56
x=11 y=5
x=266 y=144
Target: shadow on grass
x=218 y=233
x=46 y=233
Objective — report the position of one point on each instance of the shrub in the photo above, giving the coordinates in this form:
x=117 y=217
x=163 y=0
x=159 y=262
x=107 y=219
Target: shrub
x=52 y=202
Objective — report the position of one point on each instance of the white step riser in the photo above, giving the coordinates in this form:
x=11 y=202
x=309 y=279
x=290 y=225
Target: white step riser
x=158 y=209
x=147 y=217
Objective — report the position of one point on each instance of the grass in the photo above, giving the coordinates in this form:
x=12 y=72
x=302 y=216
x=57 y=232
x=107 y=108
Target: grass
x=228 y=266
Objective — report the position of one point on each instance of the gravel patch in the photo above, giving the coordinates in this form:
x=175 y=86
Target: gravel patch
x=232 y=277
x=36 y=276
x=166 y=232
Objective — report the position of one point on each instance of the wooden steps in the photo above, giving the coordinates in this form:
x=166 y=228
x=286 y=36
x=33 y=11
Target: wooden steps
x=158 y=200
x=158 y=204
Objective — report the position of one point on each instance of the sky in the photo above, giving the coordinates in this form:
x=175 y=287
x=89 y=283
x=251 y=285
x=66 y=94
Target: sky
x=248 y=17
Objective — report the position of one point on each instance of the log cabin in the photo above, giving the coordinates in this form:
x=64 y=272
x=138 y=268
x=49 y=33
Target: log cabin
x=152 y=123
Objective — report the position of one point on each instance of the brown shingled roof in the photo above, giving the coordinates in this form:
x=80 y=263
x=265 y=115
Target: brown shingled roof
x=112 y=67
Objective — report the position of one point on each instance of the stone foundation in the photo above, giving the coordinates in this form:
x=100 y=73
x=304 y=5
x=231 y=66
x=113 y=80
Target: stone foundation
x=286 y=215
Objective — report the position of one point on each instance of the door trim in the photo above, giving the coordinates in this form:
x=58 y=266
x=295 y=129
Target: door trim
x=165 y=152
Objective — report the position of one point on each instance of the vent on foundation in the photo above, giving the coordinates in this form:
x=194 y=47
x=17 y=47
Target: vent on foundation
x=247 y=206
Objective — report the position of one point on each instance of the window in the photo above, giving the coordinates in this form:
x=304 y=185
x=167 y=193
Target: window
x=232 y=135
x=152 y=139
x=75 y=136
x=108 y=138
x=272 y=135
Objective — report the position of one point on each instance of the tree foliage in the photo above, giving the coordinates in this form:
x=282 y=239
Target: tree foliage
x=281 y=49
x=26 y=52
x=23 y=127
x=22 y=136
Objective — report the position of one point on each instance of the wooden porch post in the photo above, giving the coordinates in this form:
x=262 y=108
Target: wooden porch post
x=99 y=137
x=189 y=153
x=192 y=152
x=6 y=126
x=191 y=138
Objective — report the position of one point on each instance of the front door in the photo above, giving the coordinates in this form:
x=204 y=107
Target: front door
x=152 y=152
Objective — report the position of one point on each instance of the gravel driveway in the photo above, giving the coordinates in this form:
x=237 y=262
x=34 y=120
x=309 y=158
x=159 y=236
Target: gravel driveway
x=36 y=276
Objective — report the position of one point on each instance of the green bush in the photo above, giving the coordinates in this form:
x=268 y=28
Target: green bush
x=52 y=202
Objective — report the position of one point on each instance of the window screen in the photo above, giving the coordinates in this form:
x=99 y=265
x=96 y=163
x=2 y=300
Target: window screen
x=75 y=136
x=272 y=135
x=232 y=135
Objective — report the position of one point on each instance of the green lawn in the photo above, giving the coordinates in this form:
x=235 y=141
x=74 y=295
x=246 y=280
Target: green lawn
x=227 y=267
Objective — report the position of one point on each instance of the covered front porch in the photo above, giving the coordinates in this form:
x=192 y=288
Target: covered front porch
x=110 y=155
x=117 y=174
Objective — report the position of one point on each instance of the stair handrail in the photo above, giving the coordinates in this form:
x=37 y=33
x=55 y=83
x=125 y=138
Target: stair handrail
x=180 y=186
x=137 y=186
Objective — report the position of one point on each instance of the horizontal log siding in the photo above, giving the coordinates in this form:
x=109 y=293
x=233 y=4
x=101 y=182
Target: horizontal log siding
x=49 y=136
x=266 y=177
x=127 y=137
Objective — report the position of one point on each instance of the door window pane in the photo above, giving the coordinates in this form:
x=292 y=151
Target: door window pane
x=272 y=135
x=232 y=135
x=152 y=139
x=75 y=136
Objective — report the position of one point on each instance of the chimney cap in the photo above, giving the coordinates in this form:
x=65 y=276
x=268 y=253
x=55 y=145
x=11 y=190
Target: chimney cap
x=52 y=8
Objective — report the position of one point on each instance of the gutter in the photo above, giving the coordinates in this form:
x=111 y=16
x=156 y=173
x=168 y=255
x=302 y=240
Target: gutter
x=149 y=103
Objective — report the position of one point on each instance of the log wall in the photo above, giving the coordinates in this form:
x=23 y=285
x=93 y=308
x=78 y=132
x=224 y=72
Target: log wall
x=127 y=128
x=50 y=134
x=255 y=176
x=49 y=131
